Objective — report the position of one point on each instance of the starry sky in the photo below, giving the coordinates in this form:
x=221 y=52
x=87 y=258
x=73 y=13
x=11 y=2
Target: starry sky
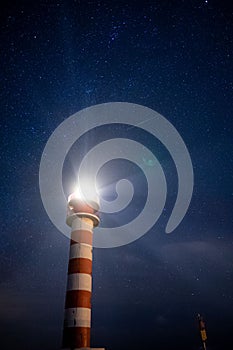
x=58 y=57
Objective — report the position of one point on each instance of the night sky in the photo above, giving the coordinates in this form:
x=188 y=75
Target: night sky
x=174 y=57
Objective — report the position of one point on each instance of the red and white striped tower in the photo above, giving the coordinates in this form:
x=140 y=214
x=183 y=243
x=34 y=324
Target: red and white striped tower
x=82 y=217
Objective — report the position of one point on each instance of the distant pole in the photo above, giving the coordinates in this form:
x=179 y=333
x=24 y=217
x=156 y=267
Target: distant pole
x=202 y=329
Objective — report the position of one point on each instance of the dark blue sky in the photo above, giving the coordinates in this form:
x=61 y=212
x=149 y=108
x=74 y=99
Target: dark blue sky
x=174 y=57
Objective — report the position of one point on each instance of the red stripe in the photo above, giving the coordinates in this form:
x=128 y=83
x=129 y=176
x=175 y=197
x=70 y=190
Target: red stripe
x=78 y=298
x=80 y=265
x=81 y=236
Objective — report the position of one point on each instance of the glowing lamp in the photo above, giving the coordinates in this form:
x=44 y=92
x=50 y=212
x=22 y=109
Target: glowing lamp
x=83 y=204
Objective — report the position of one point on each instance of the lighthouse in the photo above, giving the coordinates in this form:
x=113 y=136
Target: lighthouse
x=82 y=217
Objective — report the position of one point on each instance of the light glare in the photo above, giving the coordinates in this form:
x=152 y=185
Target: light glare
x=86 y=190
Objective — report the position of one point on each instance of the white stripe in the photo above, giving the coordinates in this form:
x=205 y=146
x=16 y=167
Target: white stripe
x=81 y=250
x=79 y=224
x=79 y=281
x=78 y=317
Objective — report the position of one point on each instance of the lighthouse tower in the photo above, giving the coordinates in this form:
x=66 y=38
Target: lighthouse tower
x=82 y=217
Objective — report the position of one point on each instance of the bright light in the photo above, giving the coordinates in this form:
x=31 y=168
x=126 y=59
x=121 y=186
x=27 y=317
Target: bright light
x=86 y=191
x=78 y=193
